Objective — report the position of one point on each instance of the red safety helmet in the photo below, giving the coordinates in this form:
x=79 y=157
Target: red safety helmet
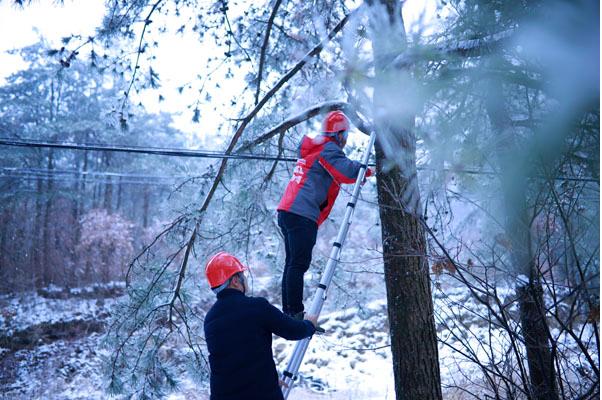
x=221 y=267
x=335 y=121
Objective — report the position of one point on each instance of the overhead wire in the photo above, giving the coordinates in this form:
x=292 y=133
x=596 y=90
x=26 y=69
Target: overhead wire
x=33 y=171
x=164 y=151
x=43 y=177
x=173 y=152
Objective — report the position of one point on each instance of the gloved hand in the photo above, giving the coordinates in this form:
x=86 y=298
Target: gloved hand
x=369 y=173
x=314 y=320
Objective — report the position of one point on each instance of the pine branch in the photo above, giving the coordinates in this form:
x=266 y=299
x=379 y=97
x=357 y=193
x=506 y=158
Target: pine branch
x=171 y=304
x=181 y=275
x=292 y=121
x=264 y=47
x=224 y=10
x=465 y=48
x=245 y=122
x=218 y=178
x=268 y=177
x=147 y=22
x=304 y=116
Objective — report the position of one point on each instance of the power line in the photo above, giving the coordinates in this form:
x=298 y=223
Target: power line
x=221 y=155
x=141 y=150
x=61 y=175
x=33 y=177
x=34 y=171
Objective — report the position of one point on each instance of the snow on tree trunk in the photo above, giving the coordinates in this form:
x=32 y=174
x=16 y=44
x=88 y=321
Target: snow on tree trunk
x=410 y=306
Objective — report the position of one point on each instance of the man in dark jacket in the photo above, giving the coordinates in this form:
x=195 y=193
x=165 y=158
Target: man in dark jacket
x=238 y=332
x=309 y=196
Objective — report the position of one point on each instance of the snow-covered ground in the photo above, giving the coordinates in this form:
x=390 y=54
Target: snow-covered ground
x=58 y=353
x=30 y=308
x=339 y=365
x=351 y=361
x=58 y=370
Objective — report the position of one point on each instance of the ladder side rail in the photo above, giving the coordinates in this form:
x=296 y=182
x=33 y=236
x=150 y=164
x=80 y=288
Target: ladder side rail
x=335 y=252
x=293 y=366
x=301 y=346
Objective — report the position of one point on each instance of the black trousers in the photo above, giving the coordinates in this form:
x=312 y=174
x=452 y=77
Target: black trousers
x=299 y=240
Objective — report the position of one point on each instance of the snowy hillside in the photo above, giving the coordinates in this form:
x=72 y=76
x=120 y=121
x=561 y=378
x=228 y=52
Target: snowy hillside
x=52 y=348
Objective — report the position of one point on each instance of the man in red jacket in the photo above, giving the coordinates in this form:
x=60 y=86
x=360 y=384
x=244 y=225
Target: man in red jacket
x=321 y=168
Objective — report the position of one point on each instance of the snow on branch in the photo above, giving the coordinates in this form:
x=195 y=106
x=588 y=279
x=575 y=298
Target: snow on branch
x=463 y=48
x=237 y=135
x=125 y=330
x=264 y=48
x=305 y=115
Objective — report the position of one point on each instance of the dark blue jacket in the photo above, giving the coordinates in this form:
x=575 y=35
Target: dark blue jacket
x=238 y=331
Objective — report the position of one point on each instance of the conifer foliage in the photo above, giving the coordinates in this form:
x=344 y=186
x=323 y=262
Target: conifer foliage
x=487 y=168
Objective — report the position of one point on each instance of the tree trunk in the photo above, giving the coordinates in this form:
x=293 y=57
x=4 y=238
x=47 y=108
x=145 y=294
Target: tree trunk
x=81 y=195
x=535 y=330
x=108 y=202
x=119 y=191
x=35 y=237
x=46 y=267
x=75 y=212
x=146 y=206
x=410 y=307
x=93 y=186
x=20 y=238
x=7 y=228
x=6 y=223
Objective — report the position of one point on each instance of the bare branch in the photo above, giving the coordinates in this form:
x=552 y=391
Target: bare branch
x=147 y=22
x=268 y=177
x=264 y=47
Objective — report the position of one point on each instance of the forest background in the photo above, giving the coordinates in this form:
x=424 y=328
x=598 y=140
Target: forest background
x=473 y=254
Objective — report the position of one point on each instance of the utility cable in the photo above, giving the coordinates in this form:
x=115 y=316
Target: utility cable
x=141 y=150
x=33 y=177
x=36 y=171
x=220 y=155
